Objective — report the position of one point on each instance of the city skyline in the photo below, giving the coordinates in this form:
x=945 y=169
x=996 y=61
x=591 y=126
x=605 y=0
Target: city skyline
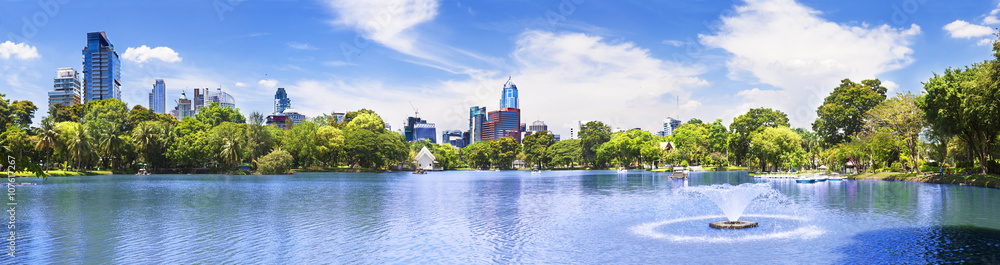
x=573 y=61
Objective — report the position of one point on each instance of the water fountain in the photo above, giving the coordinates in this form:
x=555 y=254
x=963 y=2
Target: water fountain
x=733 y=200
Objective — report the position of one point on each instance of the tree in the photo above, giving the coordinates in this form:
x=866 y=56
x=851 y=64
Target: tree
x=536 y=147
x=718 y=135
x=301 y=143
x=477 y=155
x=564 y=153
x=349 y=116
x=772 y=145
x=139 y=114
x=60 y=113
x=190 y=146
x=48 y=140
x=695 y=121
x=692 y=141
x=592 y=136
x=22 y=111
x=215 y=114
x=226 y=143
x=276 y=162
x=151 y=140
x=503 y=152
x=80 y=145
x=16 y=141
x=901 y=116
x=744 y=126
x=112 y=111
x=329 y=145
x=842 y=112
x=446 y=156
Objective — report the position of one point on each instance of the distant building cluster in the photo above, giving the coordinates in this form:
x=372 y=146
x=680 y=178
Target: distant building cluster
x=284 y=115
x=101 y=78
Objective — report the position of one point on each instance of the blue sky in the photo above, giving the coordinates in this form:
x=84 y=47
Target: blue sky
x=622 y=62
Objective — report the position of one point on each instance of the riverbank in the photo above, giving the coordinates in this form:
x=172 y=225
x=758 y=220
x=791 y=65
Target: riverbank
x=65 y=173
x=980 y=180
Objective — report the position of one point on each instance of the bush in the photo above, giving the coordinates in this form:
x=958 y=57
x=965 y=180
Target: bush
x=277 y=162
x=684 y=163
x=896 y=167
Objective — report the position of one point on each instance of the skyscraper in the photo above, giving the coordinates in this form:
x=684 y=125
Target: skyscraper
x=284 y=116
x=281 y=101
x=669 y=125
x=509 y=97
x=507 y=121
x=67 y=88
x=477 y=117
x=101 y=68
x=183 y=108
x=198 y=98
x=425 y=131
x=409 y=129
x=158 y=98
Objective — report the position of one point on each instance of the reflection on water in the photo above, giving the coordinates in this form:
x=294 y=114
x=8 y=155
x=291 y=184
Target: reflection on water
x=470 y=217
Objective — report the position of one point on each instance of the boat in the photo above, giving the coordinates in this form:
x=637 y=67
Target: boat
x=622 y=170
x=836 y=178
x=805 y=180
x=419 y=171
x=498 y=170
x=535 y=172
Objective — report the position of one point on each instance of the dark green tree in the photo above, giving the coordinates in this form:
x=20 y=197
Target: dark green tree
x=592 y=136
x=744 y=126
x=843 y=111
x=536 y=147
x=215 y=114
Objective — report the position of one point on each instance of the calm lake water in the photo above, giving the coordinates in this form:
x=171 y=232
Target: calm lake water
x=467 y=217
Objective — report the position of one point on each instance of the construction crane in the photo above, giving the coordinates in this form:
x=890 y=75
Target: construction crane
x=416 y=112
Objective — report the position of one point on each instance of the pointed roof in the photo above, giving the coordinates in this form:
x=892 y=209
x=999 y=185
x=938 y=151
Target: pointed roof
x=424 y=152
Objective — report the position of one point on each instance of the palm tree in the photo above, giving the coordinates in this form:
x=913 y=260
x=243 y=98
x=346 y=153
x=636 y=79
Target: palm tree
x=113 y=145
x=146 y=139
x=79 y=146
x=230 y=152
x=48 y=140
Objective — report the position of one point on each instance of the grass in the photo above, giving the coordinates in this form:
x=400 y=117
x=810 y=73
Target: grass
x=65 y=173
x=980 y=180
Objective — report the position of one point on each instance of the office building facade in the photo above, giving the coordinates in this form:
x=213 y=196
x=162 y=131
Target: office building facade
x=281 y=100
x=669 y=126
x=67 y=88
x=477 y=117
x=101 y=68
x=183 y=108
x=425 y=131
x=158 y=97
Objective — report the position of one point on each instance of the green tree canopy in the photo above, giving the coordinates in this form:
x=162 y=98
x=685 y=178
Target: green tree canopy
x=536 y=147
x=215 y=114
x=745 y=125
x=592 y=136
x=842 y=113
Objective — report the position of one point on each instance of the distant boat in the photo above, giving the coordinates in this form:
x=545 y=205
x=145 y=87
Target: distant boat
x=810 y=180
x=535 y=172
x=498 y=170
x=622 y=170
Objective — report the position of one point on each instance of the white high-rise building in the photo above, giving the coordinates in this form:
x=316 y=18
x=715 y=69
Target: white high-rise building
x=68 y=89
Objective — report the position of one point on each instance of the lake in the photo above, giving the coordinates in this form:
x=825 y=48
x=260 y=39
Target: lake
x=470 y=217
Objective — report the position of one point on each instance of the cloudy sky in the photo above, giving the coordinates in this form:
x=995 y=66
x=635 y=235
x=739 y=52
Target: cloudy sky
x=627 y=63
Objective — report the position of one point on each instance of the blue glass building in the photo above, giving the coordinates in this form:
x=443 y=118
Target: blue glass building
x=477 y=117
x=158 y=98
x=281 y=101
x=101 y=68
x=509 y=97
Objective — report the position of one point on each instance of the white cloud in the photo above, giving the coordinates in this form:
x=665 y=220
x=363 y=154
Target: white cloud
x=240 y=84
x=337 y=63
x=991 y=20
x=791 y=47
x=386 y=21
x=144 y=54
x=962 y=29
x=675 y=43
x=984 y=42
x=21 y=51
x=301 y=46
x=268 y=83
x=598 y=79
